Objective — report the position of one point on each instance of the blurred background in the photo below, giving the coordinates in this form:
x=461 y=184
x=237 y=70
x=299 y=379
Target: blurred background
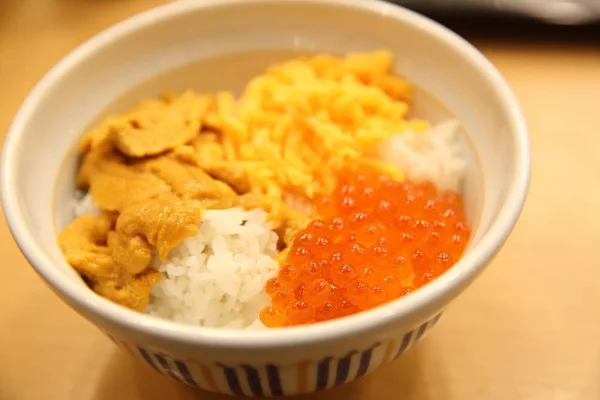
x=541 y=20
x=559 y=12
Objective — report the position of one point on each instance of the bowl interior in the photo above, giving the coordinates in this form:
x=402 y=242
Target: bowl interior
x=219 y=45
x=232 y=72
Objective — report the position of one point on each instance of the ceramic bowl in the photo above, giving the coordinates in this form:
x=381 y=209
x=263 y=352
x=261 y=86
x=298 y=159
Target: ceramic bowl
x=138 y=57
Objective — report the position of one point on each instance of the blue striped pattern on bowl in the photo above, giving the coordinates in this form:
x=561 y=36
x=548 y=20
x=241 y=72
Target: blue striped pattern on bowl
x=279 y=380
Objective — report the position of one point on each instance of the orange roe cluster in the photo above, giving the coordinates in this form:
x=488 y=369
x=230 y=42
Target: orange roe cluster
x=375 y=241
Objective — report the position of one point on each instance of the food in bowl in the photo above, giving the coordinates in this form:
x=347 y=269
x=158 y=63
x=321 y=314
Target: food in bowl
x=311 y=197
x=190 y=45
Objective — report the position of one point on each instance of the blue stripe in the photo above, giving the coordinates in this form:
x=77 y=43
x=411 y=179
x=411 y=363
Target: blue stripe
x=253 y=380
x=185 y=372
x=421 y=331
x=232 y=381
x=405 y=342
x=166 y=367
x=365 y=360
x=343 y=368
x=323 y=373
x=274 y=381
x=148 y=359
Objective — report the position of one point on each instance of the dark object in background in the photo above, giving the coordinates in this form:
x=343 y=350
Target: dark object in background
x=556 y=12
x=556 y=21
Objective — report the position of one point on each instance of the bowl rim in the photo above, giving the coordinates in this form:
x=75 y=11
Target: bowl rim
x=458 y=276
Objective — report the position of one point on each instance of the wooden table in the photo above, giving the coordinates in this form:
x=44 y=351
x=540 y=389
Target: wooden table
x=528 y=329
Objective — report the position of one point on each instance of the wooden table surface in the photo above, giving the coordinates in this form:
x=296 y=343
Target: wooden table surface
x=529 y=328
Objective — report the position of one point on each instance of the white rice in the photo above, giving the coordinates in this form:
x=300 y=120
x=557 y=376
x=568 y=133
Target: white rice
x=435 y=155
x=216 y=278
x=298 y=202
x=84 y=205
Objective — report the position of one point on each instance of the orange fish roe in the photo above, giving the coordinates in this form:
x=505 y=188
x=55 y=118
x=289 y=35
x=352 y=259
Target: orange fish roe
x=376 y=240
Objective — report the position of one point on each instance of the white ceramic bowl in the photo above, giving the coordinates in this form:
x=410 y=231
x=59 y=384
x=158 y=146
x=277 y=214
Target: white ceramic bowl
x=39 y=163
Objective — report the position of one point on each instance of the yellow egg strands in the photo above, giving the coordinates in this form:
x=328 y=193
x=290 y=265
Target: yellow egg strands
x=302 y=121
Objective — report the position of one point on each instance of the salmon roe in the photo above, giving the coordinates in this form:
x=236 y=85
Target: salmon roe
x=375 y=240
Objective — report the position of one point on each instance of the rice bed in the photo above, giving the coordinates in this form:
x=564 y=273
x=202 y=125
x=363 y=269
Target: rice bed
x=216 y=278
